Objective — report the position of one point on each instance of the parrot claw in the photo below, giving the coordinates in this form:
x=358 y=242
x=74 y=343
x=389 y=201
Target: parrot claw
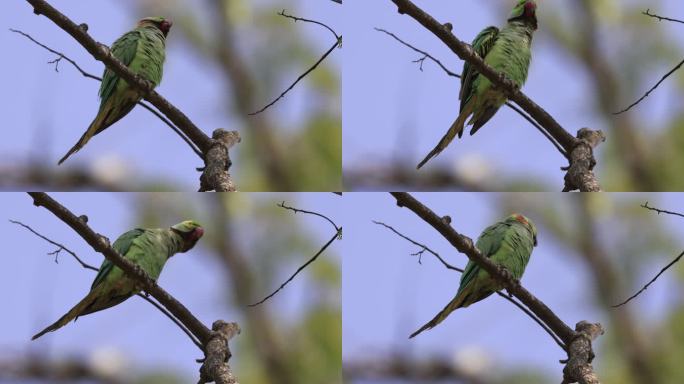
x=105 y=240
x=104 y=48
x=149 y=86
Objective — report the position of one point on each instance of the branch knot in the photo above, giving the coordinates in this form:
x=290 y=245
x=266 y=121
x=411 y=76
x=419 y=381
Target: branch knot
x=580 y=173
x=217 y=162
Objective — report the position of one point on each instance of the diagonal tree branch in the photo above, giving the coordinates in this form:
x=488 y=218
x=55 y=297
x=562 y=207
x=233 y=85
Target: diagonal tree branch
x=101 y=53
x=577 y=347
x=465 y=52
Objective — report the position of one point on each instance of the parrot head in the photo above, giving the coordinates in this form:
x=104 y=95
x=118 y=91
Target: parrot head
x=190 y=231
x=158 y=22
x=516 y=217
x=526 y=11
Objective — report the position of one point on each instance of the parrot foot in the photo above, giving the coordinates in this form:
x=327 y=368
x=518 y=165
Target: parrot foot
x=149 y=86
x=105 y=240
x=104 y=49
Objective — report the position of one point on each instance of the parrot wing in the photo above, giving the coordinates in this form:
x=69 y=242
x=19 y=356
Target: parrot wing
x=124 y=49
x=488 y=243
x=121 y=245
x=482 y=44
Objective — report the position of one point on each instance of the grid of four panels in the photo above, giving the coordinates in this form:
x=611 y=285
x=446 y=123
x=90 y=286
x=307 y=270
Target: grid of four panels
x=227 y=191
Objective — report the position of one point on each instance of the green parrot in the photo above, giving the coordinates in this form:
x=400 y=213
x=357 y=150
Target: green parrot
x=150 y=249
x=142 y=50
x=508 y=51
x=508 y=243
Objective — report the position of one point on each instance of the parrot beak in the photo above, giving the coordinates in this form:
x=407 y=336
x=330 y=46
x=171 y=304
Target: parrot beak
x=192 y=238
x=165 y=26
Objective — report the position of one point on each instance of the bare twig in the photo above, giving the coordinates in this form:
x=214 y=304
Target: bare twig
x=91 y=76
x=92 y=268
x=425 y=54
x=508 y=298
x=645 y=287
x=297 y=210
x=336 y=44
x=336 y=236
x=648 y=93
x=661 y=18
x=422 y=246
x=670 y=264
x=60 y=246
x=659 y=211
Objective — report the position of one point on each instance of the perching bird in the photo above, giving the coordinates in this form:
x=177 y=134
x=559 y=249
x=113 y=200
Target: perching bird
x=508 y=51
x=508 y=243
x=142 y=50
x=150 y=249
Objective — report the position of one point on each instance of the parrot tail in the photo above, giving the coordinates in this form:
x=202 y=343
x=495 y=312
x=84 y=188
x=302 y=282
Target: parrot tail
x=72 y=314
x=456 y=302
x=93 y=129
x=455 y=129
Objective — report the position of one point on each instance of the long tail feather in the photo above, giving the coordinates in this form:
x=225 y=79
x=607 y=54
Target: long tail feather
x=456 y=128
x=72 y=314
x=95 y=127
x=455 y=303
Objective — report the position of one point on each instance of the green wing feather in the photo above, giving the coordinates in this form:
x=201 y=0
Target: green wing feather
x=482 y=45
x=124 y=49
x=121 y=245
x=488 y=243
